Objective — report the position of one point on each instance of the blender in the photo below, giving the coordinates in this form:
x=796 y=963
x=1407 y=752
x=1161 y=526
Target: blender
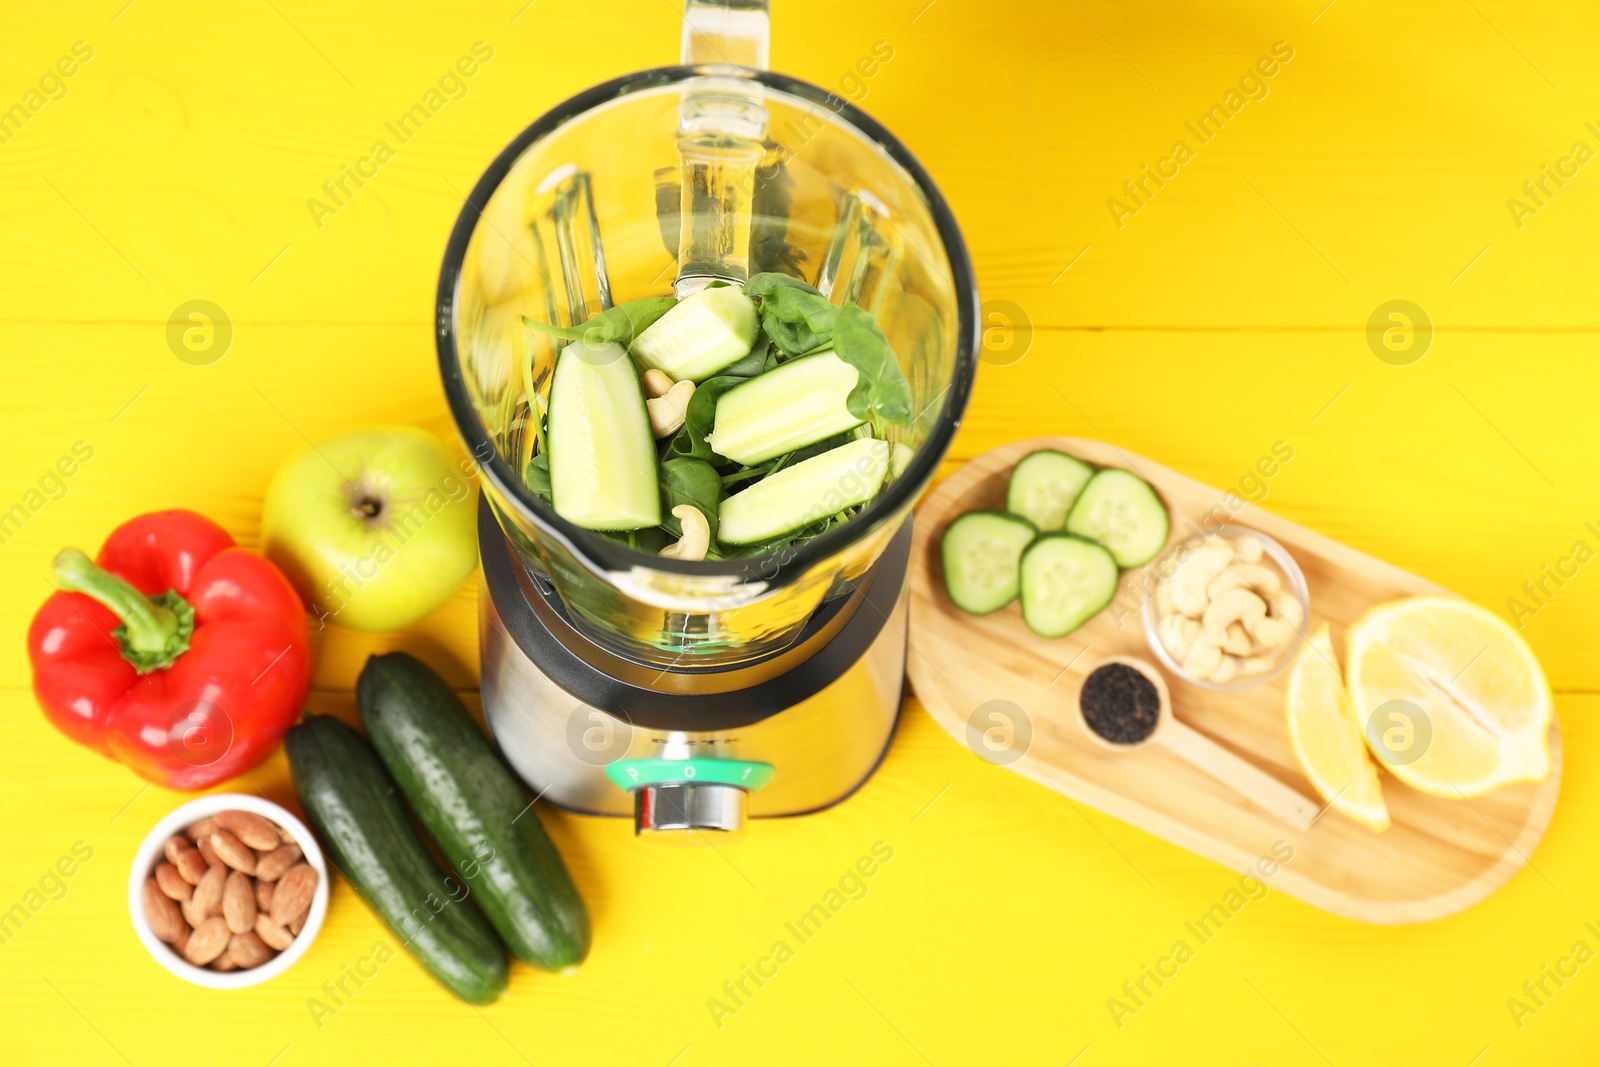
x=692 y=693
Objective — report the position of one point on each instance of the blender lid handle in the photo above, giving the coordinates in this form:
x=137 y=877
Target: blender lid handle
x=722 y=124
x=732 y=32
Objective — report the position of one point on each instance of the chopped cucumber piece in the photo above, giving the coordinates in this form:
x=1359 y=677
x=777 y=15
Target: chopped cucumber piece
x=1043 y=487
x=796 y=404
x=602 y=453
x=981 y=550
x=798 y=496
x=1065 y=582
x=703 y=333
x=900 y=457
x=1120 y=510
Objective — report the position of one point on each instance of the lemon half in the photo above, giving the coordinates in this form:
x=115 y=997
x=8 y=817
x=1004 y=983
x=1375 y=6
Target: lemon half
x=1449 y=697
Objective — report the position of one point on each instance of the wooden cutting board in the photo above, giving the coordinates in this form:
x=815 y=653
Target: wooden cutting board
x=1439 y=856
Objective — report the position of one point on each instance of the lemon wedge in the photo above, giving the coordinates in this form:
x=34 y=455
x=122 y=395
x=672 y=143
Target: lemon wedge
x=1327 y=736
x=1450 y=698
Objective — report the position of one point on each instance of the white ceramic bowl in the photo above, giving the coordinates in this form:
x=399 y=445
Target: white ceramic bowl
x=153 y=852
x=1296 y=579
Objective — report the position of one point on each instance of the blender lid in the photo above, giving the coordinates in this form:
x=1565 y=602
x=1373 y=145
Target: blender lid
x=537 y=622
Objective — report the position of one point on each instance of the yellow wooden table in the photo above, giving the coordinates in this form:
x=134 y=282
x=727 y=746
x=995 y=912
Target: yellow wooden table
x=1440 y=154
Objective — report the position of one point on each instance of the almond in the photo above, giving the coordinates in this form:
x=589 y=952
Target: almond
x=234 y=853
x=259 y=833
x=172 y=883
x=247 y=950
x=191 y=865
x=224 y=963
x=175 y=844
x=207 y=942
x=239 y=903
x=201 y=830
x=292 y=897
x=270 y=867
x=207 y=896
x=296 y=925
x=264 y=895
x=181 y=942
x=162 y=913
x=275 y=936
x=210 y=854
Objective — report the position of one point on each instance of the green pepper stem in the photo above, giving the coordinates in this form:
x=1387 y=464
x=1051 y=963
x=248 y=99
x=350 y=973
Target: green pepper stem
x=154 y=631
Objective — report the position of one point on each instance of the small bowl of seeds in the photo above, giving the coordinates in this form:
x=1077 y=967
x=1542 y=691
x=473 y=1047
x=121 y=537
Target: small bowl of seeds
x=228 y=891
x=1229 y=612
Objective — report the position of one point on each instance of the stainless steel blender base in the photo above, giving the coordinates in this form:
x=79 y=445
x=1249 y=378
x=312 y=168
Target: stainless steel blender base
x=823 y=746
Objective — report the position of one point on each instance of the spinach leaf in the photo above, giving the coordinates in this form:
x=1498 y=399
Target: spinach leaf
x=800 y=455
x=882 y=390
x=797 y=318
x=744 y=474
x=771 y=281
x=750 y=365
x=619 y=324
x=788 y=540
x=689 y=481
x=690 y=441
x=650 y=540
x=537 y=477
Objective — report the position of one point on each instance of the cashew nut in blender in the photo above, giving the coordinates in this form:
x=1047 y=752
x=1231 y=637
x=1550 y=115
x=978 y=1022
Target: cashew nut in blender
x=656 y=383
x=696 y=539
x=668 y=411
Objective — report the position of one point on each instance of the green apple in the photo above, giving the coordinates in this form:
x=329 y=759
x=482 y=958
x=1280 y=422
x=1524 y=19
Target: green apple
x=375 y=528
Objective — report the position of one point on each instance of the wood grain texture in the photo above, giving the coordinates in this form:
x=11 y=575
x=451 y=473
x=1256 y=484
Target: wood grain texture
x=1439 y=857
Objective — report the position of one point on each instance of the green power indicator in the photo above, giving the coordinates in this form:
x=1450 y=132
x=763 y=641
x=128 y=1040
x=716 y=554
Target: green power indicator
x=632 y=774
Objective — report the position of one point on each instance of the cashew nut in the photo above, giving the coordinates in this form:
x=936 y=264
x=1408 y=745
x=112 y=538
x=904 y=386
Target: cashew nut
x=696 y=539
x=1175 y=635
x=1225 y=670
x=1191 y=578
x=1235 y=605
x=1286 y=606
x=1236 y=641
x=668 y=411
x=656 y=383
x=1263 y=580
x=1246 y=549
x=1272 y=633
x=1202 y=659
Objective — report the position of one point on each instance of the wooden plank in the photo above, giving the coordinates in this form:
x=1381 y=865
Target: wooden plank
x=1367 y=172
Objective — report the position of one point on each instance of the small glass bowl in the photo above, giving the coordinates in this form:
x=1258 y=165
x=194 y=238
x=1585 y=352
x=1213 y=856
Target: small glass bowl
x=1296 y=583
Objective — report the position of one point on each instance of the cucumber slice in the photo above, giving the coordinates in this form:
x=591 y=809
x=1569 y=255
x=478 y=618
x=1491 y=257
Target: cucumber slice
x=703 y=333
x=980 y=551
x=1120 y=510
x=602 y=453
x=1065 y=581
x=800 y=495
x=1043 y=487
x=789 y=407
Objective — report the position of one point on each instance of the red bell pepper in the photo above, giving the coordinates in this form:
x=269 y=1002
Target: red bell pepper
x=176 y=652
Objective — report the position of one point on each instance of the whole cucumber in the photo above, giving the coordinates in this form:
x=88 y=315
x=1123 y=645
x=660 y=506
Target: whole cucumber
x=353 y=806
x=472 y=806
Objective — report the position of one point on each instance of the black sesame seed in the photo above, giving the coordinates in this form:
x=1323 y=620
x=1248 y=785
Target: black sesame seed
x=1120 y=704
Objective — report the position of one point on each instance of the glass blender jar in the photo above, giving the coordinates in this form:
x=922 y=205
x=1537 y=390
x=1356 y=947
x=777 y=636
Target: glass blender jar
x=604 y=666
